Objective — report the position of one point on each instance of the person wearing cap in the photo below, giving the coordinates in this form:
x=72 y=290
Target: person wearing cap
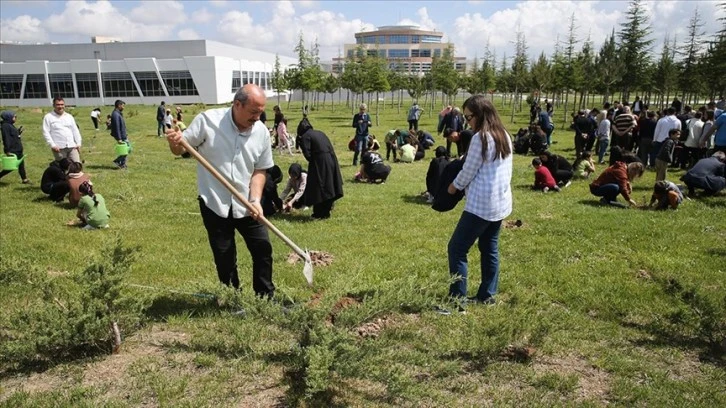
x=160 y=114
x=61 y=132
x=118 y=130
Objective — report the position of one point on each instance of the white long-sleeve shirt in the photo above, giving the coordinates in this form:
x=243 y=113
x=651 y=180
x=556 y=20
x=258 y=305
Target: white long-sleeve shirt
x=664 y=125
x=61 y=131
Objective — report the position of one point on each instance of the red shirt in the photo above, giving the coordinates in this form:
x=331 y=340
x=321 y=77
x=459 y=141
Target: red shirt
x=543 y=178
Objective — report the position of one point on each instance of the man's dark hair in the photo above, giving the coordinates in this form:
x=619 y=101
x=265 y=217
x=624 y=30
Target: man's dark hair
x=536 y=161
x=671 y=111
x=673 y=132
x=57 y=99
x=118 y=103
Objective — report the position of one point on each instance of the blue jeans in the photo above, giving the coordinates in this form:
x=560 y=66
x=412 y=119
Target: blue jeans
x=548 y=132
x=602 y=149
x=121 y=160
x=469 y=228
x=160 y=129
x=609 y=191
x=361 y=143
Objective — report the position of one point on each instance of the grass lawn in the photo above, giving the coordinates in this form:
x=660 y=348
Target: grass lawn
x=597 y=305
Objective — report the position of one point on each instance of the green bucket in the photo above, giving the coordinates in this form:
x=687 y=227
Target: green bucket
x=122 y=149
x=11 y=162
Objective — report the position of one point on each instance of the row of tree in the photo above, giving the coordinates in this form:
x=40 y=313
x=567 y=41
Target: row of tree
x=691 y=68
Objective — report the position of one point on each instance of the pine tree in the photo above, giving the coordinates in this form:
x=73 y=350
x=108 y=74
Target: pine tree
x=444 y=73
x=541 y=74
x=690 y=51
x=610 y=67
x=665 y=74
x=635 y=43
x=278 y=79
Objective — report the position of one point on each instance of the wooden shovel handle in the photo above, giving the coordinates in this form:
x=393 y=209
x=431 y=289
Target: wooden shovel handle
x=261 y=218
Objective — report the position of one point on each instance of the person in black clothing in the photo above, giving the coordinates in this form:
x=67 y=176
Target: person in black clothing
x=560 y=168
x=324 y=182
x=584 y=127
x=452 y=125
x=270 y=201
x=436 y=169
x=160 y=114
x=537 y=139
x=646 y=131
x=12 y=143
x=55 y=180
x=676 y=104
x=372 y=168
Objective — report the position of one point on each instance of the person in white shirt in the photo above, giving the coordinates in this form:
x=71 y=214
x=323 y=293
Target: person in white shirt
x=664 y=125
x=95 y=116
x=690 y=154
x=61 y=132
x=237 y=144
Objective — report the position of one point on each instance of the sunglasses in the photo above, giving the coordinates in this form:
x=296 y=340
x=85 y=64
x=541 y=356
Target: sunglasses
x=468 y=117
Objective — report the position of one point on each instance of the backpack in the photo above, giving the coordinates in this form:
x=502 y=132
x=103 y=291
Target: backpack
x=443 y=201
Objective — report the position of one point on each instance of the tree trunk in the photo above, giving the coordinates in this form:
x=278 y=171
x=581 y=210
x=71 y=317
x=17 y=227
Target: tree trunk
x=377 y=103
x=564 y=113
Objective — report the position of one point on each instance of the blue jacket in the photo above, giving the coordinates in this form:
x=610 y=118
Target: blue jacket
x=118 y=126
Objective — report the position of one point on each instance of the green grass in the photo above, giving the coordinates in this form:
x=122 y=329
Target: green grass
x=620 y=307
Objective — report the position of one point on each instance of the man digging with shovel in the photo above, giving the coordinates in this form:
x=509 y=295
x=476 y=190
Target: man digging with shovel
x=237 y=145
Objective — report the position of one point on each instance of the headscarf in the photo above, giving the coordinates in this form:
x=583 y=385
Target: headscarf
x=7 y=116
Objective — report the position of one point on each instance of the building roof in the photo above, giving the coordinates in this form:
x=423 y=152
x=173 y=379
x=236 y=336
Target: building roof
x=136 y=49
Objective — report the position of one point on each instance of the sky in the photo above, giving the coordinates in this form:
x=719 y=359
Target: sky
x=275 y=26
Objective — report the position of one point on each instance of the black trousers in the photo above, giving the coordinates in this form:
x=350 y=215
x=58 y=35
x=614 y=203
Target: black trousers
x=390 y=147
x=56 y=191
x=322 y=209
x=413 y=124
x=222 y=241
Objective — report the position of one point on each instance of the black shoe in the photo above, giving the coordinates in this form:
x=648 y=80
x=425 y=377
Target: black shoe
x=488 y=301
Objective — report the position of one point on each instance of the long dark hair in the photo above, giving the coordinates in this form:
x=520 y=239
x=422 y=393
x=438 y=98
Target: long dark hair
x=86 y=188
x=487 y=121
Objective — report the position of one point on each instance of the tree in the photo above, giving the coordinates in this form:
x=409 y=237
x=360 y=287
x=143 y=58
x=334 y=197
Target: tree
x=416 y=86
x=690 y=51
x=541 y=74
x=609 y=67
x=634 y=46
x=278 y=79
x=444 y=73
x=331 y=84
x=665 y=73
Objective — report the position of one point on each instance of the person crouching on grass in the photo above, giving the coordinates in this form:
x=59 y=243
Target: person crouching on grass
x=92 y=212
x=543 y=180
x=616 y=180
x=667 y=194
x=665 y=154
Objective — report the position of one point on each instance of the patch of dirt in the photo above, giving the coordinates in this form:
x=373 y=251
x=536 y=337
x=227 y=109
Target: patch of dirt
x=316 y=299
x=372 y=329
x=342 y=304
x=517 y=353
x=643 y=274
x=56 y=273
x=318 y=258
x=513 y=224
x=592 y=384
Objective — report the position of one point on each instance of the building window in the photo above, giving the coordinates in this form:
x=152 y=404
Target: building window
x=87 y=84
x=437 y=52
x=415 y=39
x=430 y=39
x=350 y=53
x=118 y=85
x=10 y=86
x=359 y=40
x=371 y=39
x=245 y=78
x=61 y=85
x=149 y=83
x=179 y=83
x=460 y=67
x=398 y=39
x=35 y=87
x=398 y=53
x=372 y=53
x=236 y=81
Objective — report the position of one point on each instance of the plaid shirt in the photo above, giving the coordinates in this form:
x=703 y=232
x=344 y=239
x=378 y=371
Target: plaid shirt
x=487 y=183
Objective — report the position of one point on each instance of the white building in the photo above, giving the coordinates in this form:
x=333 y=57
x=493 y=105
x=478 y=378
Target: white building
x=94 y=74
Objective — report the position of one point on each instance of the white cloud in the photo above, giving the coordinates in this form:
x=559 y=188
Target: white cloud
x=102 y=18
x=201 y=16
x=219 y=3
x=23 y=29
x=151 y=12
x=188 y=34
x=307 y=3
x=280 y=34
x=541 y=23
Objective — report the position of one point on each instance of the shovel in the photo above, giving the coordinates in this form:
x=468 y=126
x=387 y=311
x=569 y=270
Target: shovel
x=308 y=268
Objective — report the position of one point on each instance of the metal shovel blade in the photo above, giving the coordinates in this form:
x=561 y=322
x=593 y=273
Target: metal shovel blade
x=308 y=268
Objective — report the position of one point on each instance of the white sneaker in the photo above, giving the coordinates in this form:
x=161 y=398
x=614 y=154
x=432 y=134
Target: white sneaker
x=569 y=183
